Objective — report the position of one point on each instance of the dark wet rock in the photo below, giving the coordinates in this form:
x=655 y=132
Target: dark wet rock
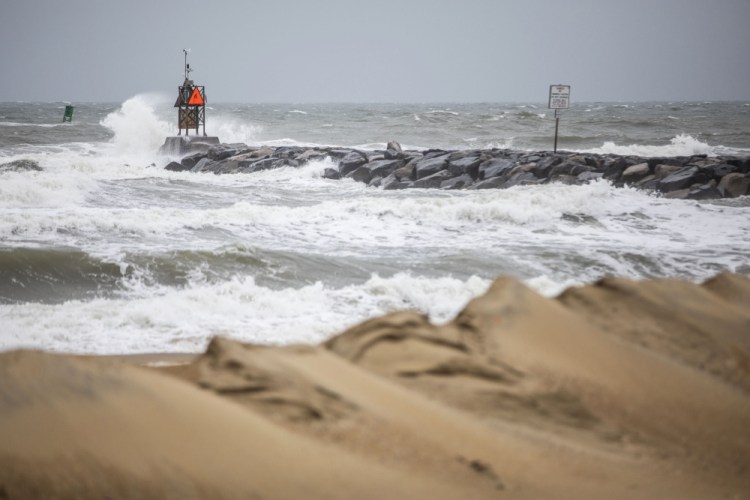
x=635 y=173
x=569 y=167
x=362 y=174
x=23 y=165
x=670 y=161
x=589 y=176
x=460 y=182
x=495 y=168
x=465 y=165
x=391 y=182
x=312 y=155
x=384 y=168
x=707 y=191
x=614 y=167
x=683 y=178
x=433 y=181
x=648 y=182
x=173 y=166
x=204 y=165
x=250 y=166
x=393 y=151
x=734 y=185
x=339 y=153
x=222 y=151
x=521 y=179
x=429 y=166
x=351 y=162
x=405 y=173
x=434 y=153
x=331 y=173
x=189 y=161
x=543 y=167
x=694 y=177
x=532 y=158
x=723 y=169
x=663 y=170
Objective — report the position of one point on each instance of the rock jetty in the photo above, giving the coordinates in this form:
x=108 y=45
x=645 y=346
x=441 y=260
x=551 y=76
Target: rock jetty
x=683 y=177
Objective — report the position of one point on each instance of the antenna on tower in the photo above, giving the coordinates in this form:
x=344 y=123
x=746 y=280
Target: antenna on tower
x=187 y=66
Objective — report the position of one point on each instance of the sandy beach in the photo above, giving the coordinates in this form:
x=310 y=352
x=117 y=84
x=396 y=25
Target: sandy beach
x=618 y=389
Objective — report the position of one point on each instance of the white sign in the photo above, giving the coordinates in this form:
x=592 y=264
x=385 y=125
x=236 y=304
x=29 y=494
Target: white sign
x=559 y=96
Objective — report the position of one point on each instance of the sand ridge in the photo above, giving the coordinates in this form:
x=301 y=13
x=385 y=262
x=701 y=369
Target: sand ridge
x=619 y=389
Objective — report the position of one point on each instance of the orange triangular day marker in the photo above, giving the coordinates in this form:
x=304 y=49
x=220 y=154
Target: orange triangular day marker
x=196 y=99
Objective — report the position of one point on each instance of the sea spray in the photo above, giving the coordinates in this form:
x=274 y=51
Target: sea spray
x=184 y=320
x=136 y=127
x=116 y=254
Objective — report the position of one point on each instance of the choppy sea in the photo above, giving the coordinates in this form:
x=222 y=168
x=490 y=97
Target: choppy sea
x=103 y=251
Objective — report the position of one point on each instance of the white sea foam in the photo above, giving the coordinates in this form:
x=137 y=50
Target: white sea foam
x=184 y=320
x=41 y=125
x=30 y=189
x=681 y=145
x=233 y=129
x=136 y=127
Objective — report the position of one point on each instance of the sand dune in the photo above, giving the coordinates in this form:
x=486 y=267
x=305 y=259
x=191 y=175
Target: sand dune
x=619 y=389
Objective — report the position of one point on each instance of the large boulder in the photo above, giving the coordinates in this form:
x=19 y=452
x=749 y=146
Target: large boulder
x=204 y=165
x=429 y=166
x=190 y=161
x=723 y=169
x=351 y=162
x=433 y=181
x=635 y=173
x=392 y=182
x=173 y=166
x=682 y=179
x=545 y=165
x=311 y=155
x=362 y=174
x=460 y=182
x=384 y=168
x=393 y=151
x=663 y=170
x=331 y=173
x=465 y=165
x=221 y=151
x=405 y=173
x=707 y=191
x=734 y=185
x=495 y=168
x=522 y=179
x=570 y=167
x=251 y=166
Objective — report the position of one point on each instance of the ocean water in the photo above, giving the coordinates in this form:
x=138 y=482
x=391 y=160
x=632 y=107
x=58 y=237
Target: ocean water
x=103 y=251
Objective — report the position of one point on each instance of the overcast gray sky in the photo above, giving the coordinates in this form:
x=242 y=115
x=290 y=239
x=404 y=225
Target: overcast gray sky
x=377 y=51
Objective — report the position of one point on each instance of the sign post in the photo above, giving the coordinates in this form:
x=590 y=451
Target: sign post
x=559 y=98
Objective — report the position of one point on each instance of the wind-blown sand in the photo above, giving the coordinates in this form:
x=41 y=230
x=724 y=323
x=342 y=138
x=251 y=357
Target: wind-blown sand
x=620 y=389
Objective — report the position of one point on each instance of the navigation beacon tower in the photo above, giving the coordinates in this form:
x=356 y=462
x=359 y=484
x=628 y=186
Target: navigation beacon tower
x=191 y=115
x=191 y=104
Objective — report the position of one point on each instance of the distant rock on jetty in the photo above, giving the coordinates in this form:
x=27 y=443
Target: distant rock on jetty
x=683 y=177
